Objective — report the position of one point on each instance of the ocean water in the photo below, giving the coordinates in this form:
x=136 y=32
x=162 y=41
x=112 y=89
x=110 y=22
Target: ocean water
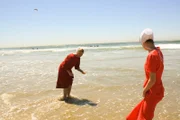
x=109 y=90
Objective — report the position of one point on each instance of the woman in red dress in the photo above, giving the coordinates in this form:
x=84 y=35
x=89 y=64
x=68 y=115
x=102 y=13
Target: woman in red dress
x=65 y=74
x=153 y=87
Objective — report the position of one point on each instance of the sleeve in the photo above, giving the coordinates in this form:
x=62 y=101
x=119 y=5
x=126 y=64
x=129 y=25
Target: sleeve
x=152 y=63
x=77 y=65
x=67 y=63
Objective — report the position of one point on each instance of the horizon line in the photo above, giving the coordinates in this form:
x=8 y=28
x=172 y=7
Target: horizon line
x=85 y=43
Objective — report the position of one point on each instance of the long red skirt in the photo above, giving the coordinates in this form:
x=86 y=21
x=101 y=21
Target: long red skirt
x=64 y=80
x=145 y=109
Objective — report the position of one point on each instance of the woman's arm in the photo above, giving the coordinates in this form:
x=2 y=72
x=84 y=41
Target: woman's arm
x=152 y=62
x=80 y=70
x=151 y=82
x=67 y=65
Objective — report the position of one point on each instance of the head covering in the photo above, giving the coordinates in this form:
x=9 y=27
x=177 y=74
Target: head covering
x=79 y=49
x=146 y=34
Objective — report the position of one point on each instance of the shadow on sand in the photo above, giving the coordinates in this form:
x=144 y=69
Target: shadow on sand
x=80 y=102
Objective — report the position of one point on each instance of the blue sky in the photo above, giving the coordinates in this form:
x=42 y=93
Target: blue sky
x=60 y=22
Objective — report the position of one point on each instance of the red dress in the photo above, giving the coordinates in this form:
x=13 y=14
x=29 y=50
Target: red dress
x=145 y=109
x=64 y=80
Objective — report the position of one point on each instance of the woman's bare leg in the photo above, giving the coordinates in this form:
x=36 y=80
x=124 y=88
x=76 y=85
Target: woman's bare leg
x=65 y=94
x=69 y=91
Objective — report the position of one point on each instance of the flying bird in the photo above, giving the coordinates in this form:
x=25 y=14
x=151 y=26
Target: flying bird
x=36 y=9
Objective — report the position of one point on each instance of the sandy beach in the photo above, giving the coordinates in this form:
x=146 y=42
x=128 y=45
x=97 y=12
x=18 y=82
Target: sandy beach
x=109 y=90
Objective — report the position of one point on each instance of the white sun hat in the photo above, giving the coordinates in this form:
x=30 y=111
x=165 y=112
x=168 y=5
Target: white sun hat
x=146 y=34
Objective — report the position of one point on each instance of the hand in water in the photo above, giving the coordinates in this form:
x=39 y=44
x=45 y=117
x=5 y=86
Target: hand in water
x=83 y=72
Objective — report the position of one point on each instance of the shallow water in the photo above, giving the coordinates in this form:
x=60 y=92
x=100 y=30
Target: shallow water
x=109 y=90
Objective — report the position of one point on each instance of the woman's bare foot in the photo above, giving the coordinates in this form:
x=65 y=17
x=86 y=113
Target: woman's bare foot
x=62 y=99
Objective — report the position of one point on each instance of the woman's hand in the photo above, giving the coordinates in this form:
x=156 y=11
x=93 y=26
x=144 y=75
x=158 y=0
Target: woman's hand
x=144 y=92
x=151 y=82
x=83 y=72
x=70 y=73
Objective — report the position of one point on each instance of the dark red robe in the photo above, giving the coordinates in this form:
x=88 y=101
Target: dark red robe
x=64 y=79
